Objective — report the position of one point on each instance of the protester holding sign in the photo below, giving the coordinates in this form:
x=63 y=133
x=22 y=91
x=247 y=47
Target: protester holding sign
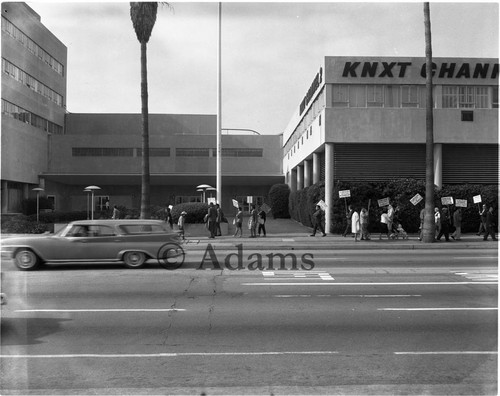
x=318 y=221
x=355 y=227
x=348 y=215
x=482 y=214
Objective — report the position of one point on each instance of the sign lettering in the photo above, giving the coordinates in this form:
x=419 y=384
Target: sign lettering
x=444 y=70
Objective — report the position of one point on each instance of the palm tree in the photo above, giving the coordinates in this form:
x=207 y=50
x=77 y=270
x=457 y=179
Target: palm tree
x=143 y=15
x=429 y=224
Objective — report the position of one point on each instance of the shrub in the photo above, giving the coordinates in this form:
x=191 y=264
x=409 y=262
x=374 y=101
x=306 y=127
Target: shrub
x=196 y=212
x=23 y=225
x=278 y=200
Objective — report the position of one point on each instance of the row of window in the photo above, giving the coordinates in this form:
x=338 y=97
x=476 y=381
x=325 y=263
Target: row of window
x=404 y=96
x=163 y=152
x=32 y=47
x=27 y=117
x=31 y=82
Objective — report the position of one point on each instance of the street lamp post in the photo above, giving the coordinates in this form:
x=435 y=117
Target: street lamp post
x=38 y=189
x=88 y=197
x=92 y=189
x=203 y=188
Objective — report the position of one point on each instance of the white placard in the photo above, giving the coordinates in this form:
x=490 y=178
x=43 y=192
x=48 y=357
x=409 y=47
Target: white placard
x=345 y=194
x=447 y=200
x=477 y=199
x=383 y=202
x=416 y=199
x=322 y=204
x=461 y=203
x=235 y=203
x=250 y=199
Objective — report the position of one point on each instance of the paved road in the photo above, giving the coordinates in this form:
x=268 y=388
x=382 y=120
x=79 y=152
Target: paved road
x=359 y=322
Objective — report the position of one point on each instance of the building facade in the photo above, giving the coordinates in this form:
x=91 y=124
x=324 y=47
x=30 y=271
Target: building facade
x=105 y=150
x=363 y=119
x=33 y=100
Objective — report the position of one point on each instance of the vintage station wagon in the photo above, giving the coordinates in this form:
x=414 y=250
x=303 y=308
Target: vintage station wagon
x=132 y=242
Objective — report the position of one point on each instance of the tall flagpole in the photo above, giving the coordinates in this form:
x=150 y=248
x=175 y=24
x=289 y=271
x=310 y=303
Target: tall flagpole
x=219 y=110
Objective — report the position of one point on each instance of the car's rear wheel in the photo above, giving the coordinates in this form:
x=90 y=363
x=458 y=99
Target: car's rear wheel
x=26 y=259
x=134 y=259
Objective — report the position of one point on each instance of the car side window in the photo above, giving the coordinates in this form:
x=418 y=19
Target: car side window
x=102 y=231
x=78 y=231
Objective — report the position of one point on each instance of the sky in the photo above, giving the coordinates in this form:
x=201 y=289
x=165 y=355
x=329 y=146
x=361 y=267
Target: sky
x=270 y=51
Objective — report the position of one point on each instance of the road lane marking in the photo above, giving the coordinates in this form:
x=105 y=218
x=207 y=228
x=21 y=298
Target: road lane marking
x=297 y=274
x=449 y=353
x=179 y=354
x=437 y=309
x=367 y=283
x=103 y=310
x=380 y=295
x=349 y=295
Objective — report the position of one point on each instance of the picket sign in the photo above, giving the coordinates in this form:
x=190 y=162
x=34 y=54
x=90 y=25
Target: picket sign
x=416 y=199
x=322 y=204
x=383 y=202
x=447 y=200
x=235 y=203
x=345 y=194
x=461 y=203
x=265 y=207
x=477 y=199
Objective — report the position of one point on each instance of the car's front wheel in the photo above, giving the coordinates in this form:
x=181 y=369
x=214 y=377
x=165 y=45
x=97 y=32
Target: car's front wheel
x=26 y=259
x=134 y=259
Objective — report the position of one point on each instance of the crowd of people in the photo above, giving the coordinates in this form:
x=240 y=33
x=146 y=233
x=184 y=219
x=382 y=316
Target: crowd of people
x=447 y=225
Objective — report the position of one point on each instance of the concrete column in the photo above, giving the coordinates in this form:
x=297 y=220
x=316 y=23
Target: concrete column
x=328 y=184
x=438 y=165
x=307 y=173
x=316 y=168
x=293 y=180
x=300 y=177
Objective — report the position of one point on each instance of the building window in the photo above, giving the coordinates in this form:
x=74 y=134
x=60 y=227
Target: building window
x=375 y=95
x=466 y=97
x=391 y=97
x=467 y=115
x=340 y=95
x=192 y=152
x=102 y=152
x=101 y=203
x=482 y=99
x=27 y=80
x=494 y=99
x=156 y=152
x=409 y=96
x=357 y=96
x=11 y=110
x=242 y=152
x=31 y=46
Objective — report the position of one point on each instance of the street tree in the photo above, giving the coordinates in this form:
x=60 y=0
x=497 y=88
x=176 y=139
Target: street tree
x=143 y=15
x=429 y=225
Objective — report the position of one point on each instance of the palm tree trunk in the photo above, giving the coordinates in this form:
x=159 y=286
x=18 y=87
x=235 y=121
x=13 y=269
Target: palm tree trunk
x=429 y=224
x=145 y=180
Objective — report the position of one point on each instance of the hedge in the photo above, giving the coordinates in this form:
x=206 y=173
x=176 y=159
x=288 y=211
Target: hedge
x=400 y=191
x=278 y=200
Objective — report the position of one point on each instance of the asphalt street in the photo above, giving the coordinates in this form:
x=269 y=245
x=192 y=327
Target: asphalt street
x=353 y=322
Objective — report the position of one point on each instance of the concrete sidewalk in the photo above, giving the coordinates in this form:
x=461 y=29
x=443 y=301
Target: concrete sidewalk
x=288 y=234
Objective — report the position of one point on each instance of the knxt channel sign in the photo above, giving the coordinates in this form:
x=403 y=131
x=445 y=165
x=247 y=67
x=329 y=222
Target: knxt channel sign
x=256 y=261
